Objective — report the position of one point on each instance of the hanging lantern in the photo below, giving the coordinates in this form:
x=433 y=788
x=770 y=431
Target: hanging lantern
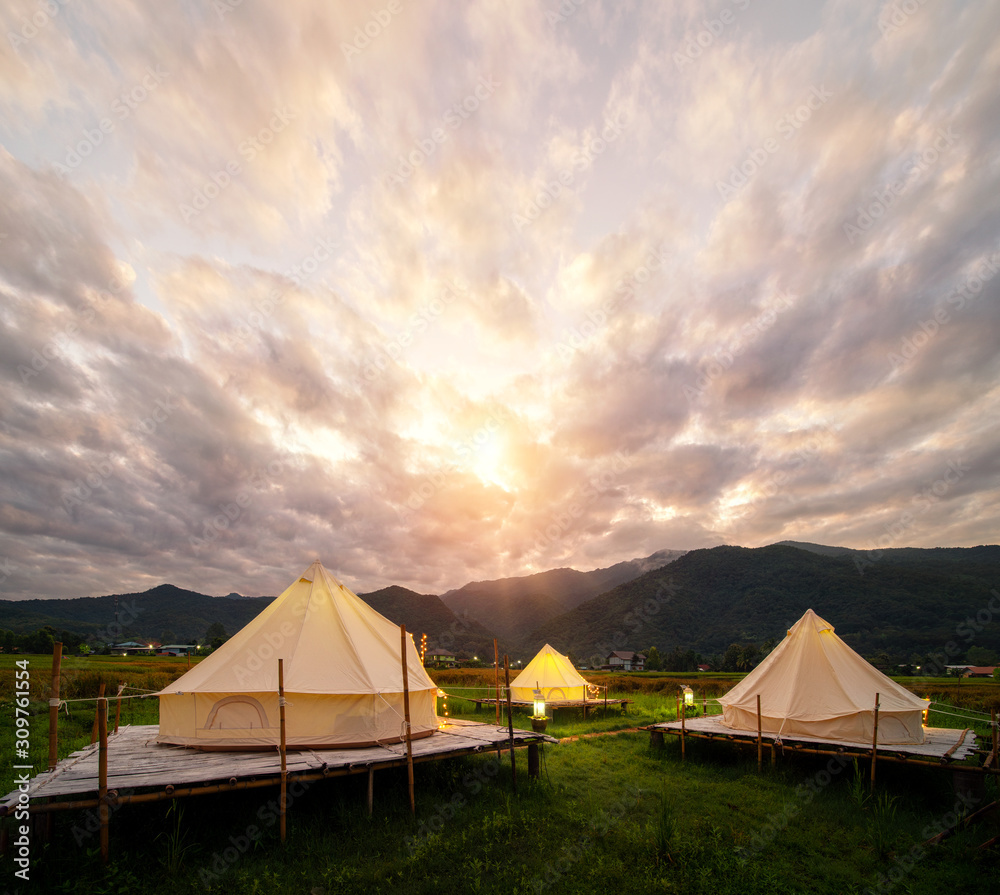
x=688 y=696
x=539 y=705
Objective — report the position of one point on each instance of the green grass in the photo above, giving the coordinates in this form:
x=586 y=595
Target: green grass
x=607 y=813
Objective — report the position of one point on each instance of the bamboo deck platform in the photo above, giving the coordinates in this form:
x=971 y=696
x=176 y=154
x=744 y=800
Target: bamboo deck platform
x=585 y=704
x=140 y=769
x=945 y=746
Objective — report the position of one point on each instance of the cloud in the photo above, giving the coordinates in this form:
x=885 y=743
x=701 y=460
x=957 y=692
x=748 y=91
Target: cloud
x=265 y=294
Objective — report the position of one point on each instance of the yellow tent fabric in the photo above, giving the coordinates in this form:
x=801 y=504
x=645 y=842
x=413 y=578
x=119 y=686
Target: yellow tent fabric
x=813 y=684
x=552 y=673
x=343 y=678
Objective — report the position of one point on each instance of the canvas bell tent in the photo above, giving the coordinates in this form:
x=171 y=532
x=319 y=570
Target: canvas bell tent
x=813 y=684
x=552 y=673
x=343 y=678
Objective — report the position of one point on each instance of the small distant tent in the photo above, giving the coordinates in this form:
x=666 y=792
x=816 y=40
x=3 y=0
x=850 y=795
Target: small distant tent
x=343 y=678
x=813 y=684
x=552 y=673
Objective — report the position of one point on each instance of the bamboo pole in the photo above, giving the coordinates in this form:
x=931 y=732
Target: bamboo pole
x=996 y=734
x=54 y=705
x=683 y=711
x=283 y=798
x=102 y=776
x=93 y=731
x=510 y=722
x=760 y=737
x=406 y=721
x=118 y=706
x=874 y=740
x=496 y=676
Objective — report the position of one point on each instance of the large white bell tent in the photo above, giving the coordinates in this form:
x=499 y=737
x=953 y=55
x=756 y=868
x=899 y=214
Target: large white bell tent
x=813 y=684
x=343 y=678
x=552 y=673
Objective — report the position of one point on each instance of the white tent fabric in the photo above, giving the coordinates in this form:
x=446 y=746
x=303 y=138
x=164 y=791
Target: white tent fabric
x=813 y=684
x=552 y=673
x=343 y=678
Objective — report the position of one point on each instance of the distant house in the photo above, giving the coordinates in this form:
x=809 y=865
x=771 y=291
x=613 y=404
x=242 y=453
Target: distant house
x=441 y=659
x=131 y=648
x=626 y=660
x=176 y=649
x=704 y=667
x=980 y=671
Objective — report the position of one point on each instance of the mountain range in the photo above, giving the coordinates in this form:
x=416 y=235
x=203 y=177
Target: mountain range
x=904 y=601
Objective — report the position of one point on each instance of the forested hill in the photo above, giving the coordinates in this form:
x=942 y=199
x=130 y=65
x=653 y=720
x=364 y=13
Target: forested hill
x=169 y=613
x=901 y=602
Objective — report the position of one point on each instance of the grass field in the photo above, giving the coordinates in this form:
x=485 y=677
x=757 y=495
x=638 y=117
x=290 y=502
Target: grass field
x=607 y=813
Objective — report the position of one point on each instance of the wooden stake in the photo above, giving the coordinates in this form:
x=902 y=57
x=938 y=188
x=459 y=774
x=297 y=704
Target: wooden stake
x=103 y=812
x=533 y=762
x=760 y=737
x=93 y=732
x=118 y=707
x=371 y=790
x=874 y=740
x=496 y=676
x=996 y=734
x=510 y=722
x=54 y=705
x=682 y=709
x=283 y=798
x=406 y=720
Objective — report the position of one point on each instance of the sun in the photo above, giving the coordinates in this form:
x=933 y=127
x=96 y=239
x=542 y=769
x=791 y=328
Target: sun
x=490 y=466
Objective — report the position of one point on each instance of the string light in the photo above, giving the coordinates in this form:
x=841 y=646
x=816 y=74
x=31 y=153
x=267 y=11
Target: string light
x=423 y=648
x=444 y=707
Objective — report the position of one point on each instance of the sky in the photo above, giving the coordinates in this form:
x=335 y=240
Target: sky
x=438 y=292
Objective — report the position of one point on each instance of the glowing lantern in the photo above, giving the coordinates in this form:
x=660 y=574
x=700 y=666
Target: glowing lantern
x=539 y=704
x=688 y=696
